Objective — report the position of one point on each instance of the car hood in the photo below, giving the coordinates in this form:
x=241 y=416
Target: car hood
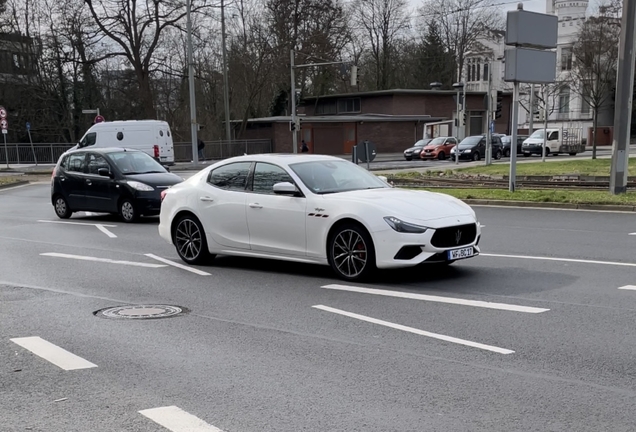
x=412 y=149
x=408 y=204
x=155 y=179
x=430 y=147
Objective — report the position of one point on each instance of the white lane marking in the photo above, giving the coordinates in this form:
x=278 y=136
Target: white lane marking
x=438 y=299
x=53 y=353
x=416 y=331
x=628 y=287
x=177 y=420
x=78 y=223
x=16 y=187
x=105 y=230
x=181 y=266
x=583 y=261
x=551 y=209
x=634 y=233
x=104 y=260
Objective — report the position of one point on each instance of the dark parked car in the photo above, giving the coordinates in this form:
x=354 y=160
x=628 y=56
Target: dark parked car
x=109 y=180
x=474 y=148
x=506 y=139
x=415 y=151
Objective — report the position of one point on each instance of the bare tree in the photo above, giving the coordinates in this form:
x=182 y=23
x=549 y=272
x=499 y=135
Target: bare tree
x=136 y=27
x=594 y=62
x=462 y=23
x=384 y=22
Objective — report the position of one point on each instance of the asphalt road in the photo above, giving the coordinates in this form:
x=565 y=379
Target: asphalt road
x=546 y=339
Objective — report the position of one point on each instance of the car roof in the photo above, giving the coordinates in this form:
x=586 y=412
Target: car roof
x=283 y=158
x=104 y=150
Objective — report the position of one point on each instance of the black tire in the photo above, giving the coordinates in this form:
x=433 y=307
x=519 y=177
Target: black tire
x=441 y=156
x=547 y=152
x=498 y=154
x=572 y=154
x=527 y=155
x=189 y=240
x=62 y=209
x=408 y=158
x=349 y=247
x=128 y=210
x=476 y=156
x=507 y=153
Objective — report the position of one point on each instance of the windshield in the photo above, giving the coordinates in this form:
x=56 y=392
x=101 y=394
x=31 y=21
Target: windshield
x=506 y=139
x=327 y=176
x=135 y=162
x=470 y=141
x=422 y=143
x=437 y=141
x=537 y=134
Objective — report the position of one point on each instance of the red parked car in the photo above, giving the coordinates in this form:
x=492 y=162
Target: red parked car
x=439 y=148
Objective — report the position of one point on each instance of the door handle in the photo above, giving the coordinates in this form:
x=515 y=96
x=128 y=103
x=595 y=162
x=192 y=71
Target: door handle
x=256 y=205
x=206 y=199
x=88 y=182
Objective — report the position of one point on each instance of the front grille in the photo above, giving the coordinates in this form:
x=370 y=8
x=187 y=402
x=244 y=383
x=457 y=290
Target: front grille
x=454 y=236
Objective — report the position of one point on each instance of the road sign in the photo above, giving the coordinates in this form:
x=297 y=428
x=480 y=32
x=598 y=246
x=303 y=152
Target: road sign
x=366 y=148
x=28 y=126
x=492 y=126
x=4 y=124
x=3 y=113
x=99 y=119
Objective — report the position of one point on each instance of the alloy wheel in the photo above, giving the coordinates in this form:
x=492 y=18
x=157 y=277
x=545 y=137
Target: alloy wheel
x=188 y=240
x=349 y=252
x=127 y=211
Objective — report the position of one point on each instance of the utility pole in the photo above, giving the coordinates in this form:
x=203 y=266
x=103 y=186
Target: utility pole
x=623 y=105
x=531 y=120
x=512 y=184
x=488 y=116
x=226 y=91
x=293 y=101
x=193 y=104
x=545 y=122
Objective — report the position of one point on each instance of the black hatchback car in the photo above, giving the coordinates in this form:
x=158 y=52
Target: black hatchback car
x=474 y=148
x=109 y=180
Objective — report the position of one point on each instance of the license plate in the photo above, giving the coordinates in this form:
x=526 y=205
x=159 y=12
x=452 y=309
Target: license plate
x=462 y=253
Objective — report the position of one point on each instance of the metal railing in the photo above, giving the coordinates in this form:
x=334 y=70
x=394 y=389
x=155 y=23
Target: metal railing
x=222 y=149
x=24 y=153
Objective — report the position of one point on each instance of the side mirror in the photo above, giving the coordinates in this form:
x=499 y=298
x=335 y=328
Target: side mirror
x=104 y=172
x=285 y=188
x=384 y=179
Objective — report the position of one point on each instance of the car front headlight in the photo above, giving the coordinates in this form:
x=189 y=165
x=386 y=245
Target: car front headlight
x=140 y=186
x=467 y=151
x=404 y=227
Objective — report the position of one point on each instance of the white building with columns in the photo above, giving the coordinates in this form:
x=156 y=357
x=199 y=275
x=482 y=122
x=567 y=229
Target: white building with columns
x=565 y=107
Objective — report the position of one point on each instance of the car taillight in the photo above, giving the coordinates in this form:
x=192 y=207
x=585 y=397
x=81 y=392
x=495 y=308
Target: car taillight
x=53 y=173
x=163 y=194
x=156 y=148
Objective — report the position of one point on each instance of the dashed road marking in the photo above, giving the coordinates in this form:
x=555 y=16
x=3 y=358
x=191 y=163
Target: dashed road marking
x=104 y=260
x=99 y=226
x=437 y=299
x=416 y=331
x=181 y=266
x=177 y=420
x=628 y=287
x=53 y=353
x=105 y=230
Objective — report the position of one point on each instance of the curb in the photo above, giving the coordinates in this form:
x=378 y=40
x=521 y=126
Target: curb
x=14 y=184
x=567 y=206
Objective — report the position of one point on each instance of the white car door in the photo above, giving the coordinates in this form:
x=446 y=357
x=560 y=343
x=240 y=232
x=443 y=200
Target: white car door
x=276 y=222
x=222 y=205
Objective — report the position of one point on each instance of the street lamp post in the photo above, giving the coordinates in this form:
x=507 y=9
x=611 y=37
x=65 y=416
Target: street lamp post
x=193 y=104
x=460 y=87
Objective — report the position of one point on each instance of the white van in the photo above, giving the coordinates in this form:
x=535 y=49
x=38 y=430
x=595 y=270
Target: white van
x=150 y=136
x=558 y=141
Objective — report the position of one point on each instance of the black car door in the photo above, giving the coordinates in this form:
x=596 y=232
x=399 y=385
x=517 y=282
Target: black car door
x=481 y=148
x=100 y=190
x=72 y=180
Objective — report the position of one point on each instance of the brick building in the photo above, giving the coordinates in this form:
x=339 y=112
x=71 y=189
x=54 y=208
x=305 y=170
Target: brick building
x=392 y=119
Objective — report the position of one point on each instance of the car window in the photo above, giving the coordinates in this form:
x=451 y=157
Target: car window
x=88 y=140
x=95 y=162
x=554 y=136
x=266 y=176
x=452 y=141
x=76 y=162
x=231 y=176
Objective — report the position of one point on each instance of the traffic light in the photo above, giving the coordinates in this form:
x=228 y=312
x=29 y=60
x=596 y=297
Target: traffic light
x=499 y=104
x=464 y=117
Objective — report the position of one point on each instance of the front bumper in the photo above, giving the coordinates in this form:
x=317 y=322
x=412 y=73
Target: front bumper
x=425 y=155
x=463 y=156
x=532 y=149
x=398 y=250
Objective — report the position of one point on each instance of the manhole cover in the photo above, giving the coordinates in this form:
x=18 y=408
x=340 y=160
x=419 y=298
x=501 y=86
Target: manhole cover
x=140 y=312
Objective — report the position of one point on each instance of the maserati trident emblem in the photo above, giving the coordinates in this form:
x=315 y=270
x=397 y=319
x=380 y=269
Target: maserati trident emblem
x=458 y=236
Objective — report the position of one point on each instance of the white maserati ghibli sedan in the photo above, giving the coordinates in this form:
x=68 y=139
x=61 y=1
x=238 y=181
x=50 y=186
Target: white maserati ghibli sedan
x=313 y=209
